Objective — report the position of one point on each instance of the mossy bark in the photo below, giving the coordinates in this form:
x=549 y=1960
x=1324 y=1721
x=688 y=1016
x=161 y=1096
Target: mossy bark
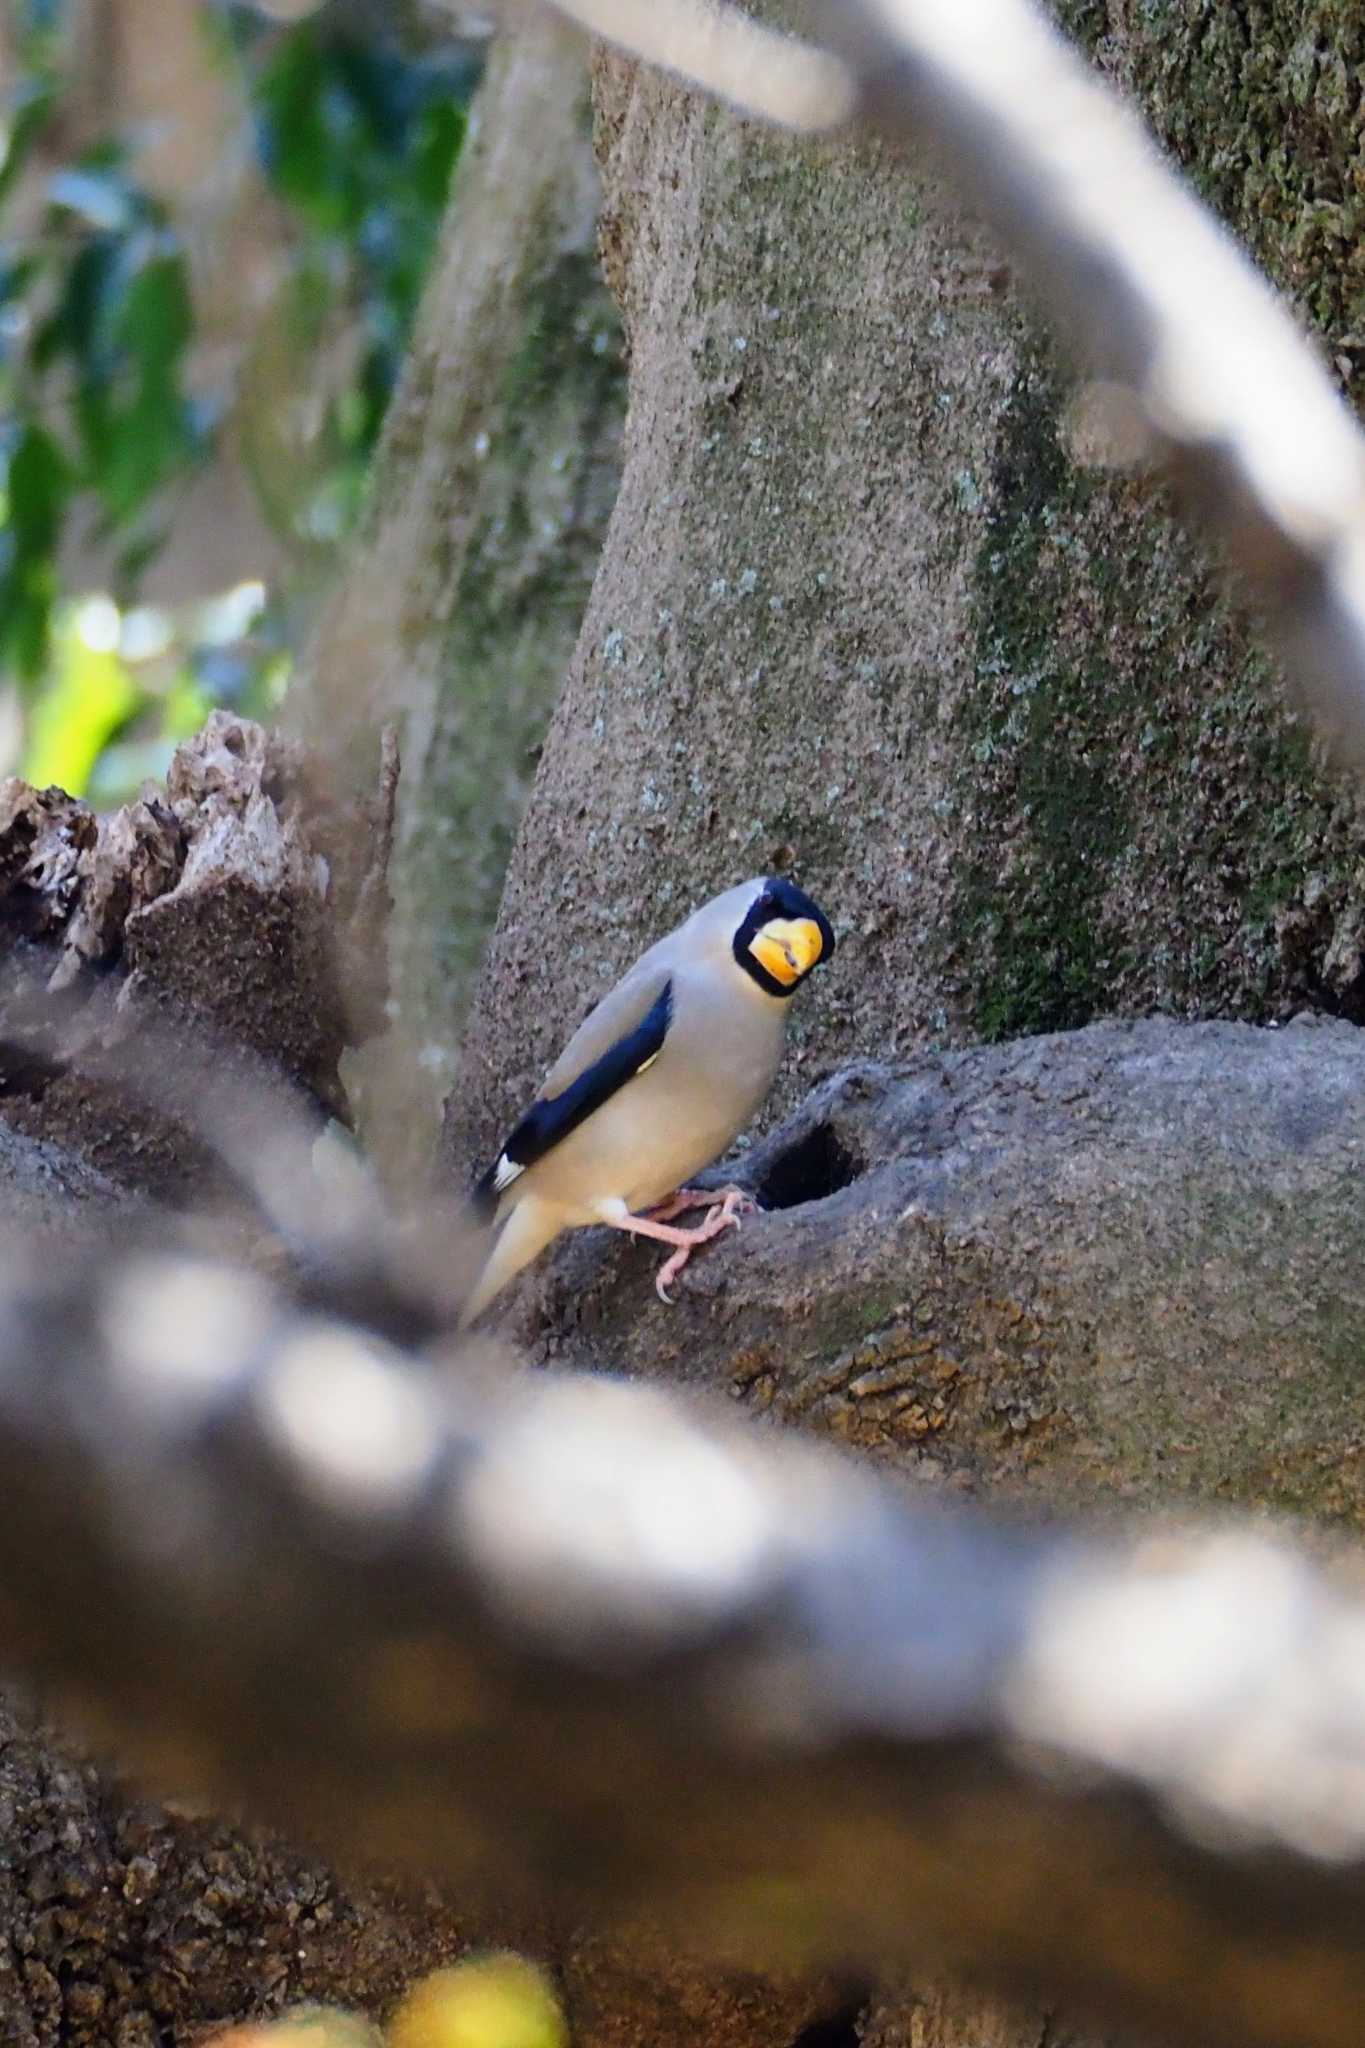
x=493 y=486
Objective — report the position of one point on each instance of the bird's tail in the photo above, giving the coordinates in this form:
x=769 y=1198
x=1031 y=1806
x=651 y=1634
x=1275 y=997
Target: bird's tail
x=525 y=1234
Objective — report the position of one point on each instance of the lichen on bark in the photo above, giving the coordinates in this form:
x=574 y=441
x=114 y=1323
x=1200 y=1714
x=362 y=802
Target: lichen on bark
x=1260 y=104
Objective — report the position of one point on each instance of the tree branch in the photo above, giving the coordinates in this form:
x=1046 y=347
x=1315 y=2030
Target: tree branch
x=580 y=1638
x=722 y=51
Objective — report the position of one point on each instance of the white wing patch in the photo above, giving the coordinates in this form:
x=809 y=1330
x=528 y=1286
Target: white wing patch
x=645 y=1065
x=505 y=1172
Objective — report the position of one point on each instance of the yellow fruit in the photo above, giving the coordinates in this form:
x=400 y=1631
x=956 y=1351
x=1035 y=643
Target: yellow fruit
x=490 y=2001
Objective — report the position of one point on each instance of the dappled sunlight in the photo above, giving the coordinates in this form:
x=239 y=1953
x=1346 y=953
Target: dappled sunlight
x=125 y=687
x=201 y=323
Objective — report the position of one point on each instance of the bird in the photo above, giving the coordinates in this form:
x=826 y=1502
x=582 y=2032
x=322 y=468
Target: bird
x=655 y=1084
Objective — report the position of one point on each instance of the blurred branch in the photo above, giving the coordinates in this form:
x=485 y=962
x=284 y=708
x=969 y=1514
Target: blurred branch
x=1159 y=300
x=723 y=51
x=579 y=1637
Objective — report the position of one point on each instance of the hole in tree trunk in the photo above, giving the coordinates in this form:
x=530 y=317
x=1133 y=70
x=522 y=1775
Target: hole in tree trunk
x=817 y=1165
x=837 y=2030
x=26 y=1071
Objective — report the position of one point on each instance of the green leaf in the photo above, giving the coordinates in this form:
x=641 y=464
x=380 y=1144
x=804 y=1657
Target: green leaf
x=186 y=707
x=155 y=319
x=440 y=138
x=90 y=698
x=359 y=131
x=38 y=484
x=76 y=328
x=28 y=110
x=18 y=276
x=135 y=426
x=28 y=596
x=304 y=128
x=37 y=488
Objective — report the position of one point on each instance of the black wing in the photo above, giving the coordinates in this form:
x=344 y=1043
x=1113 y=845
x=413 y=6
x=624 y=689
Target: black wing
x=553 y=1117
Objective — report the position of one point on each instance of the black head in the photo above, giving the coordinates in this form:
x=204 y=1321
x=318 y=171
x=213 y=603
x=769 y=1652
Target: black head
x=784 y=934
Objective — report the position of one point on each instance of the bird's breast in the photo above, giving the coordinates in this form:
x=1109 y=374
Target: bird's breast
x=673 y=1119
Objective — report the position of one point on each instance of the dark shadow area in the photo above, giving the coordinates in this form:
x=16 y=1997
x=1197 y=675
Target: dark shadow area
x=26 y=1071
x=836 y=2030
x=1346 y=1002
x=817 y=1165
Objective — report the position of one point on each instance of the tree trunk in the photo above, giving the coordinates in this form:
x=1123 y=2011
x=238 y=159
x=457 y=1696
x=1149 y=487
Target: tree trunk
x=861 y=615
x=493 y=484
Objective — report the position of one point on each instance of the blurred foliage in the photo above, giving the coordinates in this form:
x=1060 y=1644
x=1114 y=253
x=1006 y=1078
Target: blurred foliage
x=358 y=135
x=356 y=128
x=95 y=321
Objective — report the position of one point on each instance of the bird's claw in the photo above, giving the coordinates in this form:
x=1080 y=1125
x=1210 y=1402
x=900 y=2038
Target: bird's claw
x=721 y=1215
x=736 y=1201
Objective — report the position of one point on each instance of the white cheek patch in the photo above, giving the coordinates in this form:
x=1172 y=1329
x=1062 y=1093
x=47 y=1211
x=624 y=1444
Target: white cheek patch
x=505 y=1172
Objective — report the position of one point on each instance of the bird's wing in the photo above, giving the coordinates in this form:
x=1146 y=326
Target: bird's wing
x=617 y=1041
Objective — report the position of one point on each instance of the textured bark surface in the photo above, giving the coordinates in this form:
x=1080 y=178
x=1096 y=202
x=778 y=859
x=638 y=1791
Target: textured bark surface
x=1117 y=1262
x=242 y=903
x=910 y=2017
x=129 y=1924
x=230 y=902
x=45 y=1190
x=860 y=614
x=462 y=603
x=1095 y=1267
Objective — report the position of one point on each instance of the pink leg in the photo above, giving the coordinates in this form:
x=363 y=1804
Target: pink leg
x=721 y=1217
x=743 y=1203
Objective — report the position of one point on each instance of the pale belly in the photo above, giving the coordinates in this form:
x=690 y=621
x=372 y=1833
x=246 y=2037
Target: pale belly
x=647 y=1141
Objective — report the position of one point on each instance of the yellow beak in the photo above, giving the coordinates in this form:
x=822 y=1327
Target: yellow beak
x=787 y=948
